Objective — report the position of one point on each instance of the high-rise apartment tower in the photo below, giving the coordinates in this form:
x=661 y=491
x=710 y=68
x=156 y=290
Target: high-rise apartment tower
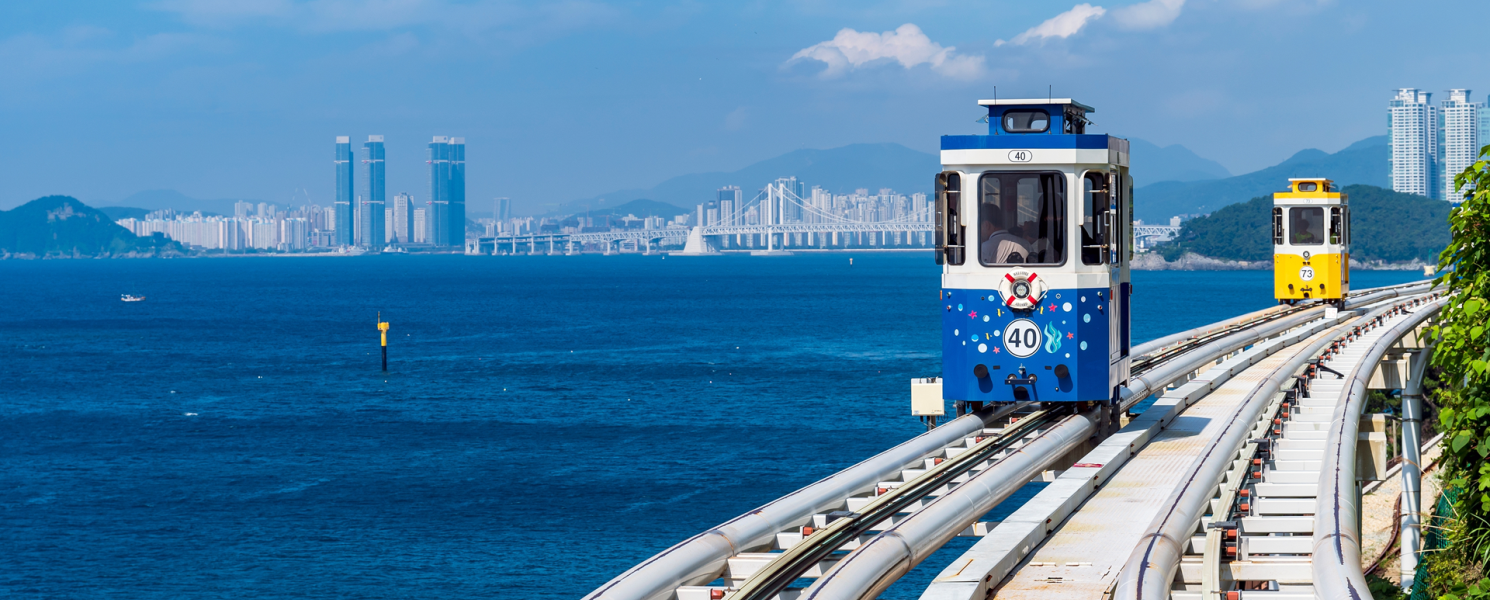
x=1460 y=135
x=403 y=219
x=370 y=227
x=447 y=191
x=729 y=205
x=343 y=201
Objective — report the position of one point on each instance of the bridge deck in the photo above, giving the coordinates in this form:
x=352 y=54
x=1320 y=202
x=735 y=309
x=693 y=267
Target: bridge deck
x=1083 y=558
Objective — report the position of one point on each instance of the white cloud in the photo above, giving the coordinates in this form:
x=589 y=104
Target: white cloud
x=906 y=45
x=1063 y=25
x=1148 y=15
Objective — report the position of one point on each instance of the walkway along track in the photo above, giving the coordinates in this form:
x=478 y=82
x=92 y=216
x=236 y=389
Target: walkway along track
x=732 y=551
x=1240 y=522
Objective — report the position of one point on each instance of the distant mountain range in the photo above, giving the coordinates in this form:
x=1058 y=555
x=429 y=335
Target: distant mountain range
x=152 y=200
x=1148 y=163
x=872 y=166
x=1365 y=162
x=61 y=226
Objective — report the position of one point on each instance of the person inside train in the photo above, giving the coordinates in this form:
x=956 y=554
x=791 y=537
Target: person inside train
x=1308 y=226
x=1001 y=246
x=1039 y=245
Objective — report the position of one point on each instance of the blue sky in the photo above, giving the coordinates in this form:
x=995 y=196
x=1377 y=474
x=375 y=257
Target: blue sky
x=563 y=100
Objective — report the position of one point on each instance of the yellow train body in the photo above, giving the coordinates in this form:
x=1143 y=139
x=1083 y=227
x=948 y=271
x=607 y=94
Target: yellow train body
x=1311 y=242
x=1322 y=276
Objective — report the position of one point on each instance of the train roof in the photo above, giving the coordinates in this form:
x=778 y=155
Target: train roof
x=1036 y=102
x=1324 y=192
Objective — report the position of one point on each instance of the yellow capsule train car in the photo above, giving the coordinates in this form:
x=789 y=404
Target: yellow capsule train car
x=1311 y=242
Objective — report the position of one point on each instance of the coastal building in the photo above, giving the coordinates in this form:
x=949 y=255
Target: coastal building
x=730 y=199
x=403 y=219
x=503 y=209
x=1460 y=136
x=1412 y=125
x=421 y=225
x=294 y=234
x=447 y=191
x=342 y=205
x=371 y=230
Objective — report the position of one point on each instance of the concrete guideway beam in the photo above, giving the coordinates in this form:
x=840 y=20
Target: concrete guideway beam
x=1365 y=296
x=875 y=565
x=1150 y=568
x=996 y=556
x=703 y=557
x=1336 y=558
x=1141 y=386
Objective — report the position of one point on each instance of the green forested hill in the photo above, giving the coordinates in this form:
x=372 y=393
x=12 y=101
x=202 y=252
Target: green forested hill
x=1385 y=225
x=1364 y=162
x=63 y=226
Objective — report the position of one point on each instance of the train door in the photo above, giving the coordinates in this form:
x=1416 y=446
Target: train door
x=1125 y=287
x=1117 y=227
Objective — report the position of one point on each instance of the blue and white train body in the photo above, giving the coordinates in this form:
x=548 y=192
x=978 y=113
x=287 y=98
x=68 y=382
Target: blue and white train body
x=1033 y=232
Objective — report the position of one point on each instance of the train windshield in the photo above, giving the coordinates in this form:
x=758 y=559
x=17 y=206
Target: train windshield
x=1021 y=219
x=1306 y=226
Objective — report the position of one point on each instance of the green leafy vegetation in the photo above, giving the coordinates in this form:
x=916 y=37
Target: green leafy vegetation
x=63 y=226
x=1385 y=226
x=1383 y=589
x=1462 y=355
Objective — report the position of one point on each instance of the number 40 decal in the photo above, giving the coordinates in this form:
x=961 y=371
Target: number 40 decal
x=1022 y=338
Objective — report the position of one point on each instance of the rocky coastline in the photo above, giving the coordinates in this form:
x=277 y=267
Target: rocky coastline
x=1190 y=261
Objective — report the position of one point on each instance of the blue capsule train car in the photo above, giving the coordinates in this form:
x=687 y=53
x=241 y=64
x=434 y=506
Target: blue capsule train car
x=1033 y=232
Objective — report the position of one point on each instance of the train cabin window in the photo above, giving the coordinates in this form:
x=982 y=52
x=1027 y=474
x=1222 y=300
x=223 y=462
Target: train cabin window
x=1026 y=121
x=1277 y=226
x=1021 y=219
x=1094 y=221
x=1337 y=232
x=949 y=231
x=1308 y=186
x=1306 y=226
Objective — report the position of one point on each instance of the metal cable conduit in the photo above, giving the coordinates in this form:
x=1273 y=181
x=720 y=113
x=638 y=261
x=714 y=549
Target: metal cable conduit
x=1336 y=558
x=701 y=558
x=1150 y=568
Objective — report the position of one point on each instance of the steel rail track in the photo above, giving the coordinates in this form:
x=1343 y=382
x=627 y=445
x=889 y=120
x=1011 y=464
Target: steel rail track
x=1165 y=355
x=779 y=574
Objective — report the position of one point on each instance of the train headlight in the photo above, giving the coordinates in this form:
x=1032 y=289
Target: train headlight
x=1022 y=289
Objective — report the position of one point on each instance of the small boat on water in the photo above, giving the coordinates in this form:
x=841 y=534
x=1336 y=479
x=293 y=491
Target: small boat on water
x=131 y=298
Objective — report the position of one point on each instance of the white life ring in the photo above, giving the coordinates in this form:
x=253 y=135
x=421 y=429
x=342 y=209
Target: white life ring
x=1022 y=289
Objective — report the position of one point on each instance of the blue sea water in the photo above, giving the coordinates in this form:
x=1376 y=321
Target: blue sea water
x=546 y=423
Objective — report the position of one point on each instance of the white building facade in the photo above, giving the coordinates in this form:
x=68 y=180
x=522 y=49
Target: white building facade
x=1461 y=133
x=1412 y=124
